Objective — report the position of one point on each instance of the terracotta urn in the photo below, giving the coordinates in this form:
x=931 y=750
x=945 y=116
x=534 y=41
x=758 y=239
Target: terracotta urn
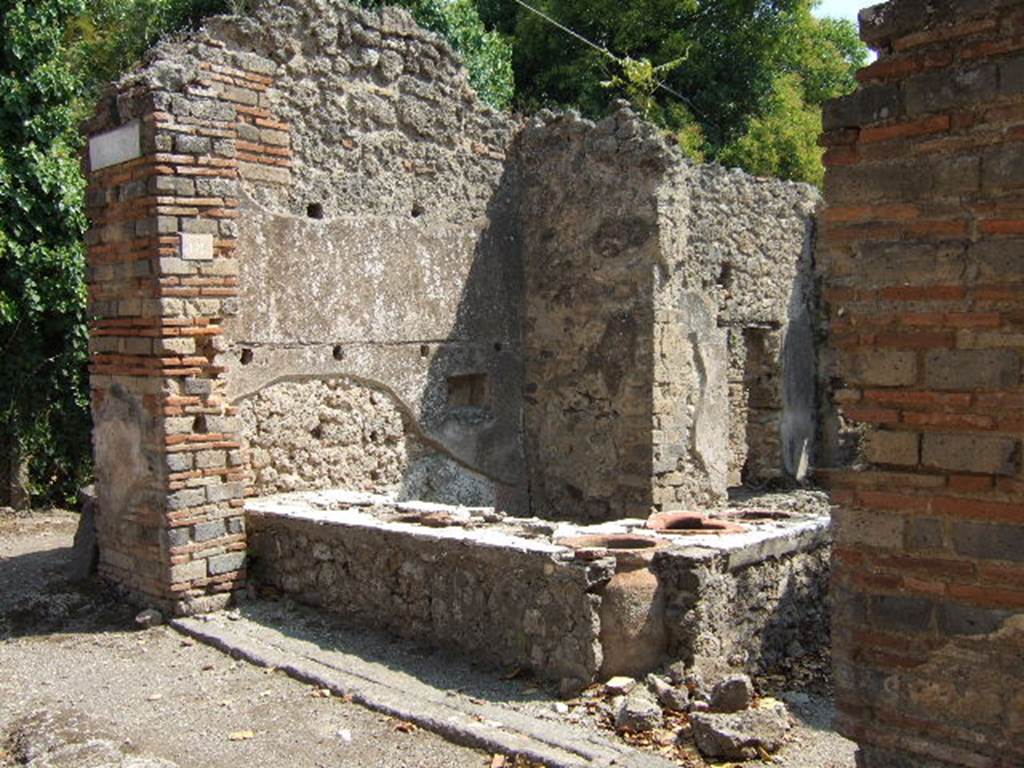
x=633 y=635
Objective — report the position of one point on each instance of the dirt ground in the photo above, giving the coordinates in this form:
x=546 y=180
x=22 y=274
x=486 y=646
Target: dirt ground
x=81 y=687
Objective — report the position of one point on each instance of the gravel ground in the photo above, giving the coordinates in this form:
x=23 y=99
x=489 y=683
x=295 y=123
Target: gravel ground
x=72 y=664
x=79 y=686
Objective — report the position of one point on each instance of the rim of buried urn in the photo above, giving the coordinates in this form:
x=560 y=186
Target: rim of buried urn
x=691 y=524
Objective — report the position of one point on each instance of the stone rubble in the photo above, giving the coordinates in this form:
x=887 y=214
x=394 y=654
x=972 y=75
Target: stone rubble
x=638 y=711
x=743 y=735
x=733 y=694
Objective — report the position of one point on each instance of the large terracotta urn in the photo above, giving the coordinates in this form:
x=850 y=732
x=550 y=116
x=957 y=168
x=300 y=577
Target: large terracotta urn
x=633 y=635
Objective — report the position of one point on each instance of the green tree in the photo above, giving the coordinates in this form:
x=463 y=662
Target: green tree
x=726 y=57
x=782 y=138
x=43 y=406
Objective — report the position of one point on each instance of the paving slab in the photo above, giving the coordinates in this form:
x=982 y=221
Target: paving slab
x=386 y=688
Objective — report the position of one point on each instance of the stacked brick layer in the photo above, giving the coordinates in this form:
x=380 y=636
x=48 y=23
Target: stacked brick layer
x=162 y=278
x=923 y=257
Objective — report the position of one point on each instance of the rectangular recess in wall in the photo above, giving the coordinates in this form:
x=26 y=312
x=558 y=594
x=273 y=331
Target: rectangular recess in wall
x=468 y=390
x=115 y=147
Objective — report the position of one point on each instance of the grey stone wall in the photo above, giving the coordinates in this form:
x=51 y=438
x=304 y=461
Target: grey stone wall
x=751 y=244
x=381 y=250
x=760 y=606
x=511 y=592
x=588 y=211
x=668 y=346
x=324 y=434
x=547 y=308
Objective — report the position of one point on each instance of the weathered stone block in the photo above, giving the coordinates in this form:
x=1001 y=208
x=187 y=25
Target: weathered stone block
x=887 y=447
x=194 y=569
x=989 y=541
x=190 y=497
x=192 y=145
x=868 y=105
x=178 y=537
x=871 y=529
x=232 y=561
x=971 y=453
x=945 y=89
x=924 y=533
x=210 y=530
x=964 y=619
x=901 y=613
x=881 y=367
x=972 y=369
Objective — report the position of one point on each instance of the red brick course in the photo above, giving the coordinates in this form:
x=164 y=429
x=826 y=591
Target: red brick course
x=156 y=330
x=924 y=292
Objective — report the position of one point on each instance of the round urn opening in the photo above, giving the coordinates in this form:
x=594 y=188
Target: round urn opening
x=691 y=524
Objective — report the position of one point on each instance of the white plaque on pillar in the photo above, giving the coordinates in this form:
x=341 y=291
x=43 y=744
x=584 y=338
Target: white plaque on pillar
x=196 y=247
x=115 y=147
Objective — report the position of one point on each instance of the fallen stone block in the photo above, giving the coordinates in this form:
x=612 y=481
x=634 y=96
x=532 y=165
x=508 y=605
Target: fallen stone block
x=742 y=735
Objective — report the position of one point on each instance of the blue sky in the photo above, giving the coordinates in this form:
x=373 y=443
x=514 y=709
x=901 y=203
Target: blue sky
x=845 y=9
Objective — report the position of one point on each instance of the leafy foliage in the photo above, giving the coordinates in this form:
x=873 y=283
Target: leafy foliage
x=43 y=404
x=721 y=70
x=781 y=140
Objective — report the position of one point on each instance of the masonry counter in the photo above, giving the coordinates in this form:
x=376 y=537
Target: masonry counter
x=524 y=593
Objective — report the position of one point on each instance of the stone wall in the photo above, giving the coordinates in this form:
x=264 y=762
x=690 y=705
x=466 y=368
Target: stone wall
x=924 y=284
x=310 y=193
x=646 y=277
x=511 y=592
x=752 y=243
x=761 y=610
x=385 y=255
x=590 y=247
x=308 y=208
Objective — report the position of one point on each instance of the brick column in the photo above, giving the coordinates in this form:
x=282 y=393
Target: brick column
x=163 y=185
x=922 y=252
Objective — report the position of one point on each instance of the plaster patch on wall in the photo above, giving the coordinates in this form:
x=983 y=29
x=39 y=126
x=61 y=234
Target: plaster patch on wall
x=115 y=147
x=196 y=247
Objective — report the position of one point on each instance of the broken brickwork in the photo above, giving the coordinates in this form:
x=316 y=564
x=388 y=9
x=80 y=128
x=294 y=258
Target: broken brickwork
x=922 y=258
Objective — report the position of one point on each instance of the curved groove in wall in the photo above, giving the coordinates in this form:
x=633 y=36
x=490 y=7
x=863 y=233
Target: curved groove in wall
x=417 y=432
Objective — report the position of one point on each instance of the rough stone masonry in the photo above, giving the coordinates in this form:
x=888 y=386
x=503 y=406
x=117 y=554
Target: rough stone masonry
x=318 y=260
x=921 y=254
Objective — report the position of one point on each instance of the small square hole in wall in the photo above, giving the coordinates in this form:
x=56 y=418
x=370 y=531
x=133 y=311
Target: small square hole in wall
x=315 y=211
x=467 y=390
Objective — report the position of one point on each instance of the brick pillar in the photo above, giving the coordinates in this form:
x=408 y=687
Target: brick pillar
x=922 y=252
x=162 y=197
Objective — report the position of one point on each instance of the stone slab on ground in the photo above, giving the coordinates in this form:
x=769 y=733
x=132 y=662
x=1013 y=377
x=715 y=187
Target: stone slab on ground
x=459 y=718
x=71 y=655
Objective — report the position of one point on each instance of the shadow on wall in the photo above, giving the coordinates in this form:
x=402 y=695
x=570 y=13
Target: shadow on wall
x=774 y=409
x=475 y=375
x=397 y=405
x=799 y=369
